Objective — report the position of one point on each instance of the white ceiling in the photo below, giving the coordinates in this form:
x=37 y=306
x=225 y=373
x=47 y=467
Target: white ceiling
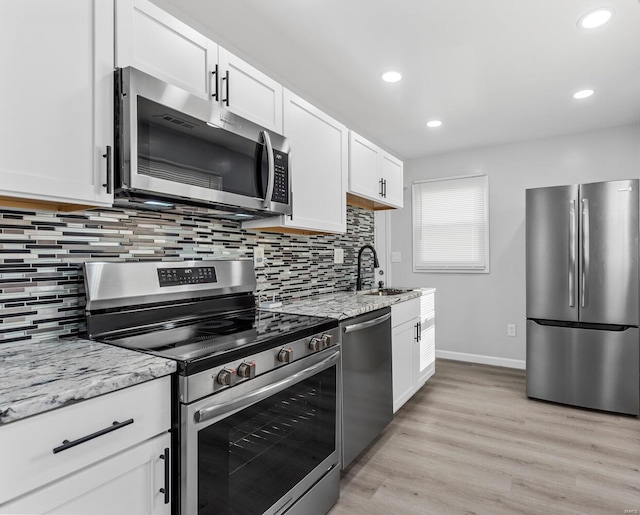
x=493 y=71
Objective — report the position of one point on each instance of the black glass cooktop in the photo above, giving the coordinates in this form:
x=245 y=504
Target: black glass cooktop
x=197 y=344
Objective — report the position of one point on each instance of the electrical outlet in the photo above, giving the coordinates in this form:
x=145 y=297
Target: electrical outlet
x=396 y=257
x=258 y=256
x=338 y=256
x=511 y=329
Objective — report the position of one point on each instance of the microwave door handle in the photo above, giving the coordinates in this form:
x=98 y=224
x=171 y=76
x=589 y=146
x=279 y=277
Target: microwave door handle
x=272 y=169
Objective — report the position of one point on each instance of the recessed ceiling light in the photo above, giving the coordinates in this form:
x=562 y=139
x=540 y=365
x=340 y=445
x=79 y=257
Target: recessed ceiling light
x=584 y=93
x=391 y=76
x=434 y=123
x=595 y=18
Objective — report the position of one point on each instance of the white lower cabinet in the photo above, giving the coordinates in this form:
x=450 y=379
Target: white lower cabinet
x=413 y=345
x=128 y=482
x=110 y=454
x=425 y=351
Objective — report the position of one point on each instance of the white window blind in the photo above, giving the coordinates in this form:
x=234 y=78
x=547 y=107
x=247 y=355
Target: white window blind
x=451 y=224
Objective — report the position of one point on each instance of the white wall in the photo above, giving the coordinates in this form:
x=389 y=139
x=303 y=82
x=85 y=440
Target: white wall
x=473 y=310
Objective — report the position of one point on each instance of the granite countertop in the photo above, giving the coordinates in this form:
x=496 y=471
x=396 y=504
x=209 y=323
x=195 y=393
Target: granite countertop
x=343 y=305
x=41 y=376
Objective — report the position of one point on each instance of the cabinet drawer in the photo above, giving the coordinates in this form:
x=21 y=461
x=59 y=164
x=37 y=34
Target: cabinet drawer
x=404 y=312
x=28 y=445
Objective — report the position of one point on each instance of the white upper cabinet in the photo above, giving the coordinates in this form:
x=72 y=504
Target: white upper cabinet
x=391 y=174
x=364 y=167
x=153 y=41
x=318 y=162
x=156 y=43
x=375 y=176
x=248 y=92
x=57 y=103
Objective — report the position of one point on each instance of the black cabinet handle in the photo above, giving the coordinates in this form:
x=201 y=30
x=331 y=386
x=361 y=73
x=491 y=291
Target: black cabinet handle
x=214 y=73
x=226 y=79
x=66 y=444
x=167 y=475
x=381 y=191
x=107 y=155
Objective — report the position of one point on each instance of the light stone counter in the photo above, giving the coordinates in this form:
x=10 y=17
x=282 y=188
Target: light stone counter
x=342 y=305
x=40 y=376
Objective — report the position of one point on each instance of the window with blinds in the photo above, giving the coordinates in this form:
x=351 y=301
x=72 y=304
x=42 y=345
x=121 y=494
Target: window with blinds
x=451 y=225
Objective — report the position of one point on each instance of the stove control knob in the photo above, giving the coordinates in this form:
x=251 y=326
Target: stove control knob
x=315 y=344
x=226 y=377
x=285 y=355
x=247 y=370
x=327 y=340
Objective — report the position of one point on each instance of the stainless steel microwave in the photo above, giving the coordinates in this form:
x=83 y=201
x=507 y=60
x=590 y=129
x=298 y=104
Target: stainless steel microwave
x=176 y=148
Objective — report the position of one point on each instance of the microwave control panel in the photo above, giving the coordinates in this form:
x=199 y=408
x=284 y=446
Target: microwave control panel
x=281 y=178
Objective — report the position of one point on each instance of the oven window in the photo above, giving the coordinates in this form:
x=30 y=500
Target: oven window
x=249 y=460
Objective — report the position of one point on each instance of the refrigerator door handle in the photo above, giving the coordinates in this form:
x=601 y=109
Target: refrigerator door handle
x=572 y=253
x=585 y=253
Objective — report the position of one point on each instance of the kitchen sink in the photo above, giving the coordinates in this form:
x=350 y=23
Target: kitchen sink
x=388 y=291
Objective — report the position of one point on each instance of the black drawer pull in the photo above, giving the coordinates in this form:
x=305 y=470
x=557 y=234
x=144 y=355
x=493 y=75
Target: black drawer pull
x=226 y=79
x=167 y=476
x=107 y=156
x=66 y=444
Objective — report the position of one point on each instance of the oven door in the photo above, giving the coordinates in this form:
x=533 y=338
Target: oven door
x=260 y=446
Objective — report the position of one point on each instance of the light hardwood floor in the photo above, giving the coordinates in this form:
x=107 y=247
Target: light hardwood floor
x=471 y=442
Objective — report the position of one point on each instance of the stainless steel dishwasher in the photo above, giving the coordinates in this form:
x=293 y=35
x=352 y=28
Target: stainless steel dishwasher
x=367 y=395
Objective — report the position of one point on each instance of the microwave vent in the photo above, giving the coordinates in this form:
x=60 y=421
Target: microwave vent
x=171 y=172
x=176 y=121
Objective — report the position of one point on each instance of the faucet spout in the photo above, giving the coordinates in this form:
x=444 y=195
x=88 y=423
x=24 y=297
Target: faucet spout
x=375 y=264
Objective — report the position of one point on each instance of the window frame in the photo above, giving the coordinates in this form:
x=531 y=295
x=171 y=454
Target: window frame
x=417 y=268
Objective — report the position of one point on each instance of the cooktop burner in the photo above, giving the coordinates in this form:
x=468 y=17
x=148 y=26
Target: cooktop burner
x=200 y=343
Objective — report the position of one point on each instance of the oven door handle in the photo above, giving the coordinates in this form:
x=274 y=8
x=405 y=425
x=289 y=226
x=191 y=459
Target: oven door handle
x=264 y=392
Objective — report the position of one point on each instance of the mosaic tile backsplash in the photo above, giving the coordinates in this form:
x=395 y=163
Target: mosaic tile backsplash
x=40 y=253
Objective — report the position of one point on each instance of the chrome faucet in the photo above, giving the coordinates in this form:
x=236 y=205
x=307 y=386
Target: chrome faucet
x=375 y=264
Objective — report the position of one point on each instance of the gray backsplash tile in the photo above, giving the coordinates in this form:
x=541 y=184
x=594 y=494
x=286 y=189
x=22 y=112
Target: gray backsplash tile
x=40 y=254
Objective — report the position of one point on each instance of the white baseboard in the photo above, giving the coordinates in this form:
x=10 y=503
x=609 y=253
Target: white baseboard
x=478 y=358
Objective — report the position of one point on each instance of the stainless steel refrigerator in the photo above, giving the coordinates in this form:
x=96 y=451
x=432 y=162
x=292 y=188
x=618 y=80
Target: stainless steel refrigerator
x=583 y=345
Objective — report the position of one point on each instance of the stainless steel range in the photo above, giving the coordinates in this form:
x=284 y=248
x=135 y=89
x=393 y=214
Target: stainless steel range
x=256 y=397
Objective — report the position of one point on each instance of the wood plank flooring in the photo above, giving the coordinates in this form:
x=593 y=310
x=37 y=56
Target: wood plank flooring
x=470 y=441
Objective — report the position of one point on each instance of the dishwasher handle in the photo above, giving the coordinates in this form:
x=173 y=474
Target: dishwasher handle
x=365 y=325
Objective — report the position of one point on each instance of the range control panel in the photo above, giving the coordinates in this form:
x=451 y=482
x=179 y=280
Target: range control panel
x=194 y=275
x=210 y=381
x=281 y=178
